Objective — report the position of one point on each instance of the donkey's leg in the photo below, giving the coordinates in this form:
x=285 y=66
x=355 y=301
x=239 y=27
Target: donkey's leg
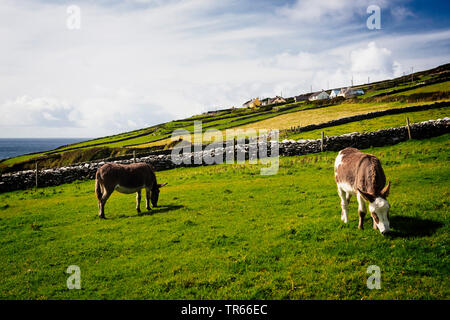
x=105 y=197
x=147 y=198
x=100 y=191
x=344 y=205
x=138 y=201
x=361 y=210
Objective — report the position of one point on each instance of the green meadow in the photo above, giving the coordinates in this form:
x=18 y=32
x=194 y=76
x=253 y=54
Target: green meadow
x=227 y=232
x=368 y=125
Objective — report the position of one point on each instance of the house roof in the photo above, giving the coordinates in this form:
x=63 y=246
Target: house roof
x=315 y=94
x=304 y=95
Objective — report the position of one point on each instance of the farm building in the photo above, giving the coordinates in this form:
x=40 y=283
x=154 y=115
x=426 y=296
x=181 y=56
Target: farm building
x=350 y=93
x=252 y=103
x=266 y=101
x=278 y=99
x=319 y=96
x=302 y=97
x=334 y=93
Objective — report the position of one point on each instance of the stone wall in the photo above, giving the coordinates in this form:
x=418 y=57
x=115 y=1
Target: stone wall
x=52 y=177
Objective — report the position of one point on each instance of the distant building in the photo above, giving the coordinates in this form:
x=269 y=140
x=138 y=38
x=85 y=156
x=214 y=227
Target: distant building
x=247 y=103
x=266 y=101
x=350 y=92
x=319 y=96
x=302 y=97
x=359 y=92
x=334 y=93
x=278 y=99
x=252 y=103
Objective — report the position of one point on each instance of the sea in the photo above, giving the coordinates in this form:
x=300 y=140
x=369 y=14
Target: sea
x=11 y=147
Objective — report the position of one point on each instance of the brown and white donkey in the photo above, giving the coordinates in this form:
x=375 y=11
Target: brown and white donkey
x=361 y=174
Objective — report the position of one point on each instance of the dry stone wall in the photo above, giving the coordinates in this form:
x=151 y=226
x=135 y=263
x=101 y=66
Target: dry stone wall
x=57 y=176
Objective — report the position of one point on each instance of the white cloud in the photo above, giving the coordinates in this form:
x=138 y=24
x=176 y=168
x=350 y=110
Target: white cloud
x=374 y=61
x=139 y=63
x=401 y=13
x=327 y=11
x=26 y=111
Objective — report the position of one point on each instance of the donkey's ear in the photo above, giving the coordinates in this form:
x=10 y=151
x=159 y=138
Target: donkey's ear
x=162 y=185
x=367 y=196
x=385 y=191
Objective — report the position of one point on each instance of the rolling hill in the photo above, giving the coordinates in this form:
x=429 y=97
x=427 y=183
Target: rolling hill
x=419 y=88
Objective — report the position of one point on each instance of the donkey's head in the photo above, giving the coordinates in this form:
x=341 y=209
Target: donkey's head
x=379 y=208
x=155 y=194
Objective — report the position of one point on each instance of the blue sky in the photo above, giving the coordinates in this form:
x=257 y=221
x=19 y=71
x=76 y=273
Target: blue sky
x=135 y=63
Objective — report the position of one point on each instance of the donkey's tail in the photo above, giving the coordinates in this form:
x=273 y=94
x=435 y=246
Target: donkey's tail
x=98 y=188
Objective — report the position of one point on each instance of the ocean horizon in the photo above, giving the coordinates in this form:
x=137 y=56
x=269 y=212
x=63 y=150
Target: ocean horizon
x=12 y=147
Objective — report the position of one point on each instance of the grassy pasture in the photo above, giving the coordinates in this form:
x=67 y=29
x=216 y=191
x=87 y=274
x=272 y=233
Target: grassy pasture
x=215 y=237
x=315 y=116
x=368 y=125
x=442 y=86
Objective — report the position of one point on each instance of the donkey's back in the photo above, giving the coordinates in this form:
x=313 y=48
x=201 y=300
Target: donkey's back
x=126 y=178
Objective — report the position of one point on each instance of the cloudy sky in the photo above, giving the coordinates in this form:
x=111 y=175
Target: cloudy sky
x=135 y=63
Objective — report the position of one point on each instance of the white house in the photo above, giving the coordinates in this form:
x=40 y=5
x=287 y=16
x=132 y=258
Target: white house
x=266 y=101
x=319 y=96
x=334 y=93
x=359 y=92
x=350 y=93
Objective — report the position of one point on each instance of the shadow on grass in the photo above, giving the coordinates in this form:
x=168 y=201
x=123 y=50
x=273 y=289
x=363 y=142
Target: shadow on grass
x=408 y=227
x=159 y=209
x=151 y=212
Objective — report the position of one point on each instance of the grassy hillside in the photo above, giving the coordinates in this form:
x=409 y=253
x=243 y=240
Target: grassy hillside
x=214 y=237
x=443 y=86
x=267 y=117
x=322 y=115
x=383 y=122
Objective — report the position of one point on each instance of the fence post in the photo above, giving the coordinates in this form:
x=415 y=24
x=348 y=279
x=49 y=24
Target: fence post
x=409 y=128
x=321 y=142
x=36 y=164
x=134 y=156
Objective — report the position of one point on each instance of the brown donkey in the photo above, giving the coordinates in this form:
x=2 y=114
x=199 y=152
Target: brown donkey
x=126 y=179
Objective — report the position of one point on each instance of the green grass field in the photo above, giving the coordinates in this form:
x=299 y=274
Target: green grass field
x=383 y=122
x=443 y=86
x=215 y=237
